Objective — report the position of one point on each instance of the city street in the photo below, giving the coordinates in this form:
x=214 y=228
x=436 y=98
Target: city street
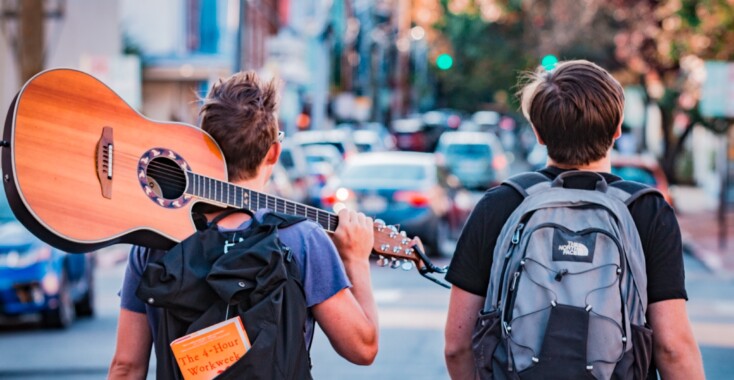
x=412 y=314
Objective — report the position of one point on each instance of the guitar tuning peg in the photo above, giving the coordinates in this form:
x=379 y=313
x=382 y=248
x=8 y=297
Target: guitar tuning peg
x=407 y=265
x=382 y=261
x=394 y=264
x=403 y=234
x=380 y=224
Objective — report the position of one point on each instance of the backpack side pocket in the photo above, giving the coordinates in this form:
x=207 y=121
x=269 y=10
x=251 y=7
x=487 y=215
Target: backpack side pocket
x=642 y=347
x=485 y=338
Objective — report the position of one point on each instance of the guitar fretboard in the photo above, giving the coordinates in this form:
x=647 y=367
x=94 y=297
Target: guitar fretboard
x=236 y=196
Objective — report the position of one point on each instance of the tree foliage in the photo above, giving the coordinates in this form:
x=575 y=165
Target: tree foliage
x=659 y=44
x=488 y=57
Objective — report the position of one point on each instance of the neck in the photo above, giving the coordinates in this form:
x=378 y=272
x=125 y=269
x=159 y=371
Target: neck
x=603 y=166
x=235 y=220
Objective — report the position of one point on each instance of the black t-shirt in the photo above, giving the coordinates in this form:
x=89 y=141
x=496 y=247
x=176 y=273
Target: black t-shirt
x=654 y=218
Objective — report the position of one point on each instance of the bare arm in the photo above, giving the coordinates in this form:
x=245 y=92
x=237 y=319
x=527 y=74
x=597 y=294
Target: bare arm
x=132 y=352
x=463 y=310
x=676 y=353
x=349 y=318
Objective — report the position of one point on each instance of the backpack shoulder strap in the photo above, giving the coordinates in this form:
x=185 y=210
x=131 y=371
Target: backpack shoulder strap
x=630 y=191
x=525 y=183
x=229 y=212
x=281 y=220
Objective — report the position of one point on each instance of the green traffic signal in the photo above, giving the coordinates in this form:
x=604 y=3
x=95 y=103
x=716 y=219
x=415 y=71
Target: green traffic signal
x=444 y=61
x=549 y=62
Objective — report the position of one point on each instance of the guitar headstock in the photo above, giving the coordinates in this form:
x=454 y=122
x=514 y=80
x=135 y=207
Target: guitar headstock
x=393 y=247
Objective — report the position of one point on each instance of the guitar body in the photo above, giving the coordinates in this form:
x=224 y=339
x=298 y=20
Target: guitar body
x=76 y=171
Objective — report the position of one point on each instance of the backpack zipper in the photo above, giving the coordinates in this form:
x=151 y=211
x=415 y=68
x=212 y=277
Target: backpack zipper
x=514 y=242
x=511 y=292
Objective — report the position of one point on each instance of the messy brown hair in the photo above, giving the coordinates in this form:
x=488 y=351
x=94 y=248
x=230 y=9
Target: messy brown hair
x=575 y=109
x=239 y=113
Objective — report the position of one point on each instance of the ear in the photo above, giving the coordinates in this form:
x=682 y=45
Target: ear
x=273 y=154
x=618 y=132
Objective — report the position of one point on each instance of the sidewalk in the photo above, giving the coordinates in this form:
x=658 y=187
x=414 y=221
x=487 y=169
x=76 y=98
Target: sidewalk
x=698 y=216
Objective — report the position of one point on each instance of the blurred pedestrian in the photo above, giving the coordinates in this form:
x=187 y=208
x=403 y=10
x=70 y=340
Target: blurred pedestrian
x=240 y=114
x=576 y=110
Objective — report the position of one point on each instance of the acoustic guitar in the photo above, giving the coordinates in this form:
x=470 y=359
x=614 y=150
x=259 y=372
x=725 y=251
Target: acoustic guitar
x=82 y=170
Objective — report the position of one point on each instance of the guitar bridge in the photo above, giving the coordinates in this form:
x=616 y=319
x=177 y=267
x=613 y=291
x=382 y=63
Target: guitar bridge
x=104 y=162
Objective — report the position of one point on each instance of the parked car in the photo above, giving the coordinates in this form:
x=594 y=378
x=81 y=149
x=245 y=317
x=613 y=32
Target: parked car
x=39 y=280
x=643 y=168
x=477 y=159
x=401 y=188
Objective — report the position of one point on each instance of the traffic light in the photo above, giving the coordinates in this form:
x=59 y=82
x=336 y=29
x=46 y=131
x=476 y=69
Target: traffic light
x=444 y=61
x=549 y=62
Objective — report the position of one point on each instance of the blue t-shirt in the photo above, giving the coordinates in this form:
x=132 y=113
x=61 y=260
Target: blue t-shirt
x=321 y=268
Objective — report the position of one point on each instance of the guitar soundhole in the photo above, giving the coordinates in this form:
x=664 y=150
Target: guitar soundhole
x=166 y=178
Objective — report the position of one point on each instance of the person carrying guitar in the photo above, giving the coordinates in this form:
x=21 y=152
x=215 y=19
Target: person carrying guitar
x=240 y=114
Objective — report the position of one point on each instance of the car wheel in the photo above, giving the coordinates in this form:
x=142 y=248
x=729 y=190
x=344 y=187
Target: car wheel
x=63 y=315
x=85 y=306
x=441 y=246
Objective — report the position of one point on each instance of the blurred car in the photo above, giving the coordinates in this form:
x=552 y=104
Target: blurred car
x=438 y=121
x=401 y=188
x=486 y=121
x=409 y=134
x=370 y=141
x=281 y=185
x=322 y=161
x=537 y=157
x=477 y=159
x=293 y=161
x=37 y=279
x=370 y=136
x=340 y=139
x=641 y=168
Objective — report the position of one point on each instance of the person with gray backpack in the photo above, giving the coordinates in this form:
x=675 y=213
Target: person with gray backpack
x=570 y=272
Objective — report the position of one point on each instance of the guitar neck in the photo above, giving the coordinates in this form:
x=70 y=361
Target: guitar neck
x=240 y=197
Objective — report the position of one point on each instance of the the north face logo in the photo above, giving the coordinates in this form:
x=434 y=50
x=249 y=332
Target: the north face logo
x=570 y=246
x=574 y=249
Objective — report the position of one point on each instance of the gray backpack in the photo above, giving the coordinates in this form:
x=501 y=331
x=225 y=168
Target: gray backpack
x=567 y=294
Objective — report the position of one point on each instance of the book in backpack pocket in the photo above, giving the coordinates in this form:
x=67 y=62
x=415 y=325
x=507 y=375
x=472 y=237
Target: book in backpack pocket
x=204 y=354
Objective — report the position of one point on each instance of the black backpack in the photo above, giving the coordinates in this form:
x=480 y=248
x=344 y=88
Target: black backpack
x=212 y=276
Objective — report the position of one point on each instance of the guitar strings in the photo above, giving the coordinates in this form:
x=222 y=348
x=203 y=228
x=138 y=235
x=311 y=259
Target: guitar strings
x=177 y=177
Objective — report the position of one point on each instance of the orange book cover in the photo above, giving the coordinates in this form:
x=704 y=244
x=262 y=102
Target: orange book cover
x=204 y=354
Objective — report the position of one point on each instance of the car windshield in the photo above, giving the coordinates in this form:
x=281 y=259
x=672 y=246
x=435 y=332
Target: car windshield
x=336 y=145
x=386 y=172
x=633 y=173
x=6 y=214
x=468 y=150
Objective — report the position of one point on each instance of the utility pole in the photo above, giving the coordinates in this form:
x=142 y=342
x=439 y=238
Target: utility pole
x=30 y=47
x=402 y=75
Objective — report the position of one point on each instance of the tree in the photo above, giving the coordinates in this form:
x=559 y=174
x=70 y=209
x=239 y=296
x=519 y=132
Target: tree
x=660 y=44
x=664 y=44
x=488 y=54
